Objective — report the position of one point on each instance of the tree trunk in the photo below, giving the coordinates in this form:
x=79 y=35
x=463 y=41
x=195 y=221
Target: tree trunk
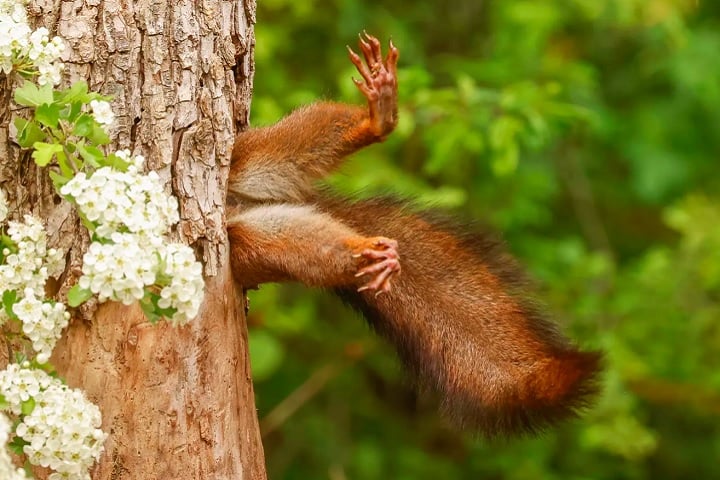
x=177 y=402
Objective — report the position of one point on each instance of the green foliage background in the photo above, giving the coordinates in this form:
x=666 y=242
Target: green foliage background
x=588 y=133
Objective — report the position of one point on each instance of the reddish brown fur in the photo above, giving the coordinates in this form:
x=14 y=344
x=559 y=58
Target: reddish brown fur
x=463 y=328
x=283 y=243
x=457 y=314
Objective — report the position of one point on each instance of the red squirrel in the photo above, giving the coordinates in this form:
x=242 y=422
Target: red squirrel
x=447 y=298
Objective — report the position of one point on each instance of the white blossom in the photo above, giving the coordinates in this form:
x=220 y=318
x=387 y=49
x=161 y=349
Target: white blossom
x=26 y=269
x=131 y=214
x=32 y=263
x=63 y=429
x=14 y=33
x=128 y=201
x=120 y=270
x=42 y=323
x=102 y=112
x=185 y=290
x=26 y=49
x=18 y=384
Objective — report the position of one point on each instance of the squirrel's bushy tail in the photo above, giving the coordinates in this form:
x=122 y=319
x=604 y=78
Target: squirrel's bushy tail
x=459 y=321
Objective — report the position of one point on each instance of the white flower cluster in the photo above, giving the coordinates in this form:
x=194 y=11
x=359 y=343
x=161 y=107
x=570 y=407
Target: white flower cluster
x=120 y=270
x=25 y=271
x=185 y=290
x=8 y=471
x=42 y=323
x=21 y=47
x=63 y=429
x=15 y=35
x=132 y=214
x=45 y=55
x=33 y=263
x=116 y=201
x=102 y=112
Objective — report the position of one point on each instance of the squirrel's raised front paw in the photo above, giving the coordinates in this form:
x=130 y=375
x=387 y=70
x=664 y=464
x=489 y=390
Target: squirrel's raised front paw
x=384 y=263
x=380 y=74
x=379 y=84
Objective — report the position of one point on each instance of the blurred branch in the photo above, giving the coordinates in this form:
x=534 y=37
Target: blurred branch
x=663 y=392
x=298 y=398
x=336 y=472
x=583 y=202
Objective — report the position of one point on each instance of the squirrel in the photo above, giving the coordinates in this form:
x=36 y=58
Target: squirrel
x=449 y=299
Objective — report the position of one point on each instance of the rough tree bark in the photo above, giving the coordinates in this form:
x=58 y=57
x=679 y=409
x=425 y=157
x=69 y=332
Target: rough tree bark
x=178 y=403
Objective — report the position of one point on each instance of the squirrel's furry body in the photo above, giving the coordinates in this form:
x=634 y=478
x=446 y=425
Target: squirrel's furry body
x=455 y=313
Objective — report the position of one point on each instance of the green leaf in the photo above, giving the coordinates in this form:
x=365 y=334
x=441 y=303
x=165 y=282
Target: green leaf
x=58 y=180
x=148 y=309
x=48 y=115
x=8 y=243
x=29 y=95
x=28 y=468
x=84 y=125
x=152 y=310
x=88 y=224
x=44 y=152
x=65 y=168
x=63 y=160
x=9 y=297
x=99 y=136
x=71 y=111
x=46 y=367
x=116 y=163
x=28 y=132
x=17 y=444
x=78 y=92
x=4 y=404
x=77 y=295
x=91 y=154
x=27 y=406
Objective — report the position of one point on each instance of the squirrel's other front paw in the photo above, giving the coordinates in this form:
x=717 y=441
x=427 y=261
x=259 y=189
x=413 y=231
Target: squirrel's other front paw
x=384 y=264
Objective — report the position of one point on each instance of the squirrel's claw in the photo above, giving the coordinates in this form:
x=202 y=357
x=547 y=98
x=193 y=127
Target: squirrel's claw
x=378 y=84
x=385 y=264
x=376 y=71
x=385 y=270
